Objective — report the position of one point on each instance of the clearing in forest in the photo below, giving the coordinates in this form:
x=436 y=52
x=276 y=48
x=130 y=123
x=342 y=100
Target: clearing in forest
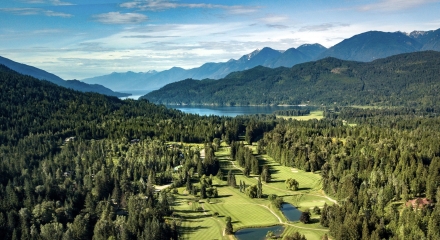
x=205 y=218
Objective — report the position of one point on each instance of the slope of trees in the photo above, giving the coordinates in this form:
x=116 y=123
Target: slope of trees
x=100 y=184
x=81 y=165
x=373 y=169
x=401 y=80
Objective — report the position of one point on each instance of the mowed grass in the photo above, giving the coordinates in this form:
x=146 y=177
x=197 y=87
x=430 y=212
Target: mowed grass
x=197 y=224
x=313 y=115
x=246 y=212
x=308 y=233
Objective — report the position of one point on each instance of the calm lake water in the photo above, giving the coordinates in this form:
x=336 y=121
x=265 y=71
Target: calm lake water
x=217 y=110
x=291 y=212
x=135 y=94
x=230 y=111
x=258 y=233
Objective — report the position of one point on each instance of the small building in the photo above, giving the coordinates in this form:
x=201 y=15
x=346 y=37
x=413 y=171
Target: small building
x=418 y=203
x=69 y=139
x=133 y=141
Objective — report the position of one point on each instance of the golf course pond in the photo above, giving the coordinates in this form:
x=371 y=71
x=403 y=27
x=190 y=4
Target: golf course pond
x=290 y=212
x=258 y=233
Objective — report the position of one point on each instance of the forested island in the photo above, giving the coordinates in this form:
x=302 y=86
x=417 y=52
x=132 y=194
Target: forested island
x=86 y=166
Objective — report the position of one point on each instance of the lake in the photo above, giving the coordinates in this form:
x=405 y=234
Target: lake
x=258 y=233
x=230 y=111
x=135 y=94
x=291 y=212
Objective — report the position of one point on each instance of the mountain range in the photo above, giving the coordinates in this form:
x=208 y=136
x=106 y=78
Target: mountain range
x=43 y=75
x=153 y=80
x=364 y=47
x=409 y=79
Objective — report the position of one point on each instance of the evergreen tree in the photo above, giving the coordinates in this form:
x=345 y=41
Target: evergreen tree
x=259 y=188
x=229 y=229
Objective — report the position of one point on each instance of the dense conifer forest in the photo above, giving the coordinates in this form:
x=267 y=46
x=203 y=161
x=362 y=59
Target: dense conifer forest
x=76 y=165
x=81 y=165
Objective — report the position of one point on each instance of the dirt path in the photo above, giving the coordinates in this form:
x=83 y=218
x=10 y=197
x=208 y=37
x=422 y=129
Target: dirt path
x=279 y=219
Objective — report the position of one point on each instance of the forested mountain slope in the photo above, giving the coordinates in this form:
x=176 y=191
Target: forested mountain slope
x=373 y=45
x=79 y=165
x=405 y=79
x=43 y=75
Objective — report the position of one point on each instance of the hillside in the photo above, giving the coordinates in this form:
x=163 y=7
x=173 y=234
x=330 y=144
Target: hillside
x=43 y=75
x=73 y=164
x=372 y=45
x=405 y=79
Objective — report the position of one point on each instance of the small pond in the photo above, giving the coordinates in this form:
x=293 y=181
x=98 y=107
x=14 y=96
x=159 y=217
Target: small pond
x=258 y=233
x=291 y=212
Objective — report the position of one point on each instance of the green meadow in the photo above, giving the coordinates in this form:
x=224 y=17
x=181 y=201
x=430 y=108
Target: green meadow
x=313 y=115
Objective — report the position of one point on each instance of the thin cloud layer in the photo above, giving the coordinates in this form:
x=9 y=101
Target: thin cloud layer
x=394 y=5
x=161 y=5
x=35 y=11
x=53 y=2
x=322 y=27
x=120 y=18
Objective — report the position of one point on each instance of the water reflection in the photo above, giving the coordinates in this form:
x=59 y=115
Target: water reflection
x=231 y=111
x=258 y=233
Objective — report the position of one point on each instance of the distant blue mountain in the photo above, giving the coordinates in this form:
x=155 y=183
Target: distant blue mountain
x=369 y=46
x=43 y=75
x=265 y=57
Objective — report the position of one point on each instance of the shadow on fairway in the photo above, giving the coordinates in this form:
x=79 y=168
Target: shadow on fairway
x=188 y=230
x=276 y=181
x=224 y=196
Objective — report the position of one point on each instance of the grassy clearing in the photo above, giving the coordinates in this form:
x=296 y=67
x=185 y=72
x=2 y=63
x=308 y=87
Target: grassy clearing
x=246 y=212
x=313 y=115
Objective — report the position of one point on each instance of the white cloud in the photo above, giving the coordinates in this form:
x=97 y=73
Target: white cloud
x=59 y=3
x=271 y=19
x=278 y=26
x=394 y=5
x=53 y=2
x=161 y=5
x=120 y=18
x=322 y=27
x=35 y=11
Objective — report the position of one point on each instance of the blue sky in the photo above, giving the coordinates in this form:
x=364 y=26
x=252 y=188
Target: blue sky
x=75 y=39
